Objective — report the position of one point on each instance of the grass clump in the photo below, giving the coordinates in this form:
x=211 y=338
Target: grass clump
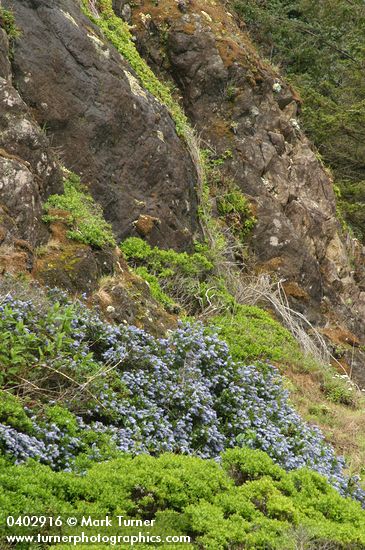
x=245 y=502
x=236 y=211
x=118 y=33
x=340 y=389
x=84 y=216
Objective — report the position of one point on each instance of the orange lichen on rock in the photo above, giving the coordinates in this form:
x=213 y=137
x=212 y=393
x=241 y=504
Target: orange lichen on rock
x=341 y=336
x=270 y=266
x=292 y=289
x=145 y=224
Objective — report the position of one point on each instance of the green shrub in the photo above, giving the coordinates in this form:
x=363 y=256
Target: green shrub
x=236 y=210
x=165 y=262
x=37 y=347
x=191 y=496
x=12 y=413
x=252 y=334
x=339 y=390
x=232 y=205
x=244 y=465
x=185 y=278
x=85 y=217
x=57 y=427
x=18 y=347
x=156 y=290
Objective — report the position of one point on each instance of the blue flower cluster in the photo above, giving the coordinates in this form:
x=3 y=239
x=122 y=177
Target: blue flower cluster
x=182 y=394
x=50 y=445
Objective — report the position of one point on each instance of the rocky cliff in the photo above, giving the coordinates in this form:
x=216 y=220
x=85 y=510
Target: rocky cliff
x=101 y=123
x=68 y=97
x=239 y=103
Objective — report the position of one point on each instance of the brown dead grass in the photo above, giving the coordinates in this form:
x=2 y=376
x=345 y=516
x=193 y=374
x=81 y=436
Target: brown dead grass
x=343 y=427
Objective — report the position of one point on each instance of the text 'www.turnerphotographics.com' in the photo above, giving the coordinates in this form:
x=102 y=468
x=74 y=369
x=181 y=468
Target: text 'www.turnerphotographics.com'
x=87 y=530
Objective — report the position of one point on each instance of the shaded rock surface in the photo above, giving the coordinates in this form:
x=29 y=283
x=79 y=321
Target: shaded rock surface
x=107 y=128
x=28 y=174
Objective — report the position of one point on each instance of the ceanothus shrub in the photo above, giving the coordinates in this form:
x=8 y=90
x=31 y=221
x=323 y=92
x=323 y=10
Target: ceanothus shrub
x=182 y=394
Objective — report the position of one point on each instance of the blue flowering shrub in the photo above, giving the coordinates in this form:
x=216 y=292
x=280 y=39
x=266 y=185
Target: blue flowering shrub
x=244 y=501
x=128 y=391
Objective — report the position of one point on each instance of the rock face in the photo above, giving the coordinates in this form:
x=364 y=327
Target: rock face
x=28 y=174
x=239 y=104
x=126 y=298
x=106 y=128
x=74 y=266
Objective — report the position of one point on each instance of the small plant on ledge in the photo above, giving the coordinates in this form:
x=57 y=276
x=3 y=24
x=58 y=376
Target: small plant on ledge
x=85 y=217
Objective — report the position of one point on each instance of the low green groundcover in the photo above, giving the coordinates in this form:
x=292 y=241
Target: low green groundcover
x=244 y=501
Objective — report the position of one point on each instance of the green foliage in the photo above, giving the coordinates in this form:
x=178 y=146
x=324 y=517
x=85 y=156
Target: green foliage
x=156 y=290
x=165 y=262
x=85 y=217
x=232 y=205
x=252 y=334
x=17 y=347
x=213 y=161
x=118 y=33
x=44 y=338
x=235 y=209
x=61 y=428
x=351 y=205
x=185 y=278
x=12 y=413
x=261 y=507
x=320 y=47
x=7 y=22
x=339 y=390
x=243 y=465
x=63 y=418
x=190 y=280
